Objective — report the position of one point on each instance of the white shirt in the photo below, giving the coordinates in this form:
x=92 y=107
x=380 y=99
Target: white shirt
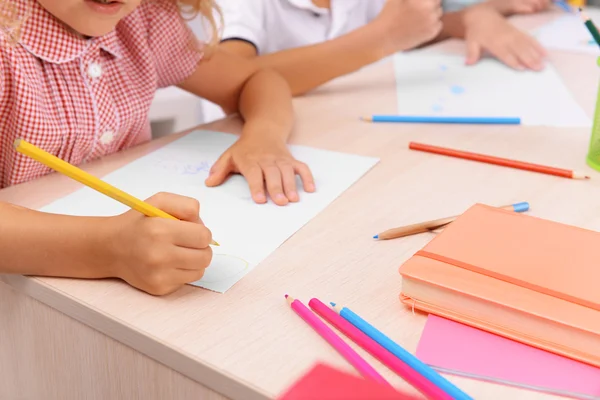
x=276 y=25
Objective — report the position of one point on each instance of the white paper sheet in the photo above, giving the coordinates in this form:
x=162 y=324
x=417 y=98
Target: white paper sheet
x=568 y=33
x=442 y=85
x=247 y=232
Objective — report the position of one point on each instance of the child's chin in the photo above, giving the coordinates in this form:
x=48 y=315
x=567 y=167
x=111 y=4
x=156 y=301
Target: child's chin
x=95 y=30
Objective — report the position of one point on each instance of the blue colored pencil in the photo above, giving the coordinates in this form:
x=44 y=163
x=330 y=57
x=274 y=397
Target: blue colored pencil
x=563 y=4
x=415 y=119
x=402 y=354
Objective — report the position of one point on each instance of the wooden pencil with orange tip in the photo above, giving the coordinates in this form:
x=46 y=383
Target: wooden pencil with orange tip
x=435 y=224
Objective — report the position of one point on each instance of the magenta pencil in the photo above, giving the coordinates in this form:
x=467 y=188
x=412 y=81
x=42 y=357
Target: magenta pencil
x=411 y=376
x=335 y=341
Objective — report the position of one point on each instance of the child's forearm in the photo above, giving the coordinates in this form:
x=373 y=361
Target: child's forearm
x=266 y=106
x=306 y=68
x=35 y=243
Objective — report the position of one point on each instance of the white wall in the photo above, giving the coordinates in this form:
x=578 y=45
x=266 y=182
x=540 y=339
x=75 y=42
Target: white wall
x=173 y=109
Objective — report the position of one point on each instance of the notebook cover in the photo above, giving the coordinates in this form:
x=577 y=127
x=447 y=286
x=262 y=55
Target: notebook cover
x=325 y=383
x=541 y=268
x=461 y=350
x=545 y=256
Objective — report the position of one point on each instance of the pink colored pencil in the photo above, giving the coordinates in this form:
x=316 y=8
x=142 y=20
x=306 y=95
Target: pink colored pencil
x=335 y=341
x=411 y=376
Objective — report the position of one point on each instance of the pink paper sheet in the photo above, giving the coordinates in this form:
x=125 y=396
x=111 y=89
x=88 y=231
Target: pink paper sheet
x=458 y=349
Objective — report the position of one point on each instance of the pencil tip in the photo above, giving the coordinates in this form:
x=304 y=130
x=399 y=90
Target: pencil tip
x=376 y=237
x=286 y=296
x=332 y=303
x=588 y=177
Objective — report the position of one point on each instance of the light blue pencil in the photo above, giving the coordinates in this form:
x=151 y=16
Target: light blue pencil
x=402 y=354
x=418 y=119
x=562 y=4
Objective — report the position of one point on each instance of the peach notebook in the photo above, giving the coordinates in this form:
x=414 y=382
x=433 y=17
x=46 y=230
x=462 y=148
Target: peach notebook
x=521 y=277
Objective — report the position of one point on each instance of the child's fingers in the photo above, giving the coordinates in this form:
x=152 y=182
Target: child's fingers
x=473 y=52
x=254 y=176
x=288 y=176
x=181 y=207
x=526 y=9
x=220 y=171
x=544 y=4
x=187 y=276
x=191 y=260
x=529 y=57
x=190 y=235
x=308 y=182
x=507 y=56
x=274 y=184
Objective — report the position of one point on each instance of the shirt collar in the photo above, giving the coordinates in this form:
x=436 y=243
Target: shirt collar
x=49 y=39
x=309 y=6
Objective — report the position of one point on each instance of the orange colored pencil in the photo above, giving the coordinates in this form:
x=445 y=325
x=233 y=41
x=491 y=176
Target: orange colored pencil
x=505 y=162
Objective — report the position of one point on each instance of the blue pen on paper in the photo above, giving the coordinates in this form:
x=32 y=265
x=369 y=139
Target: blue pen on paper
x=444 y=120
x=402 y=354
x=562 y=4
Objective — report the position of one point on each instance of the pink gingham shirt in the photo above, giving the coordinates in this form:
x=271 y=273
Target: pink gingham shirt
x=82 y=99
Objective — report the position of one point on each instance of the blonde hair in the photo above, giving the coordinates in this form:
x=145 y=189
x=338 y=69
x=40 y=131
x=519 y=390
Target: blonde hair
x=208 y=10
x=10 y=23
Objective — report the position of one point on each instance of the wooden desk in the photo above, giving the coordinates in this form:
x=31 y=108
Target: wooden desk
x=74 y=339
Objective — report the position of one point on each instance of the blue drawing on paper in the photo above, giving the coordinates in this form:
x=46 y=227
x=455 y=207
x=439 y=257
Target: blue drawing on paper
x=457 y=89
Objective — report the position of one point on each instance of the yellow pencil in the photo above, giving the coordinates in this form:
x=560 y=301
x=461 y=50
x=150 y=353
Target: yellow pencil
x=89 y=180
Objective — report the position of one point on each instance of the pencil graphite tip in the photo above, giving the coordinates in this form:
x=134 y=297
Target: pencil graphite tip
x=332 y=303
x=286 y=296
x=376 y=237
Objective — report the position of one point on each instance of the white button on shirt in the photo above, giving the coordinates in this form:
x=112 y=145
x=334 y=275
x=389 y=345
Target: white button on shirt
x=94 y=70
x=107 y=137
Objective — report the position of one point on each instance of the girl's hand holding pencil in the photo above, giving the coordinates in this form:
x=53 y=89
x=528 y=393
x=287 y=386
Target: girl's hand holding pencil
x=158 y=246
x=159 y=255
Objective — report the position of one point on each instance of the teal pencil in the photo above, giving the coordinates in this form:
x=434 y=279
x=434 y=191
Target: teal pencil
x=402 y=354
x=590 y=26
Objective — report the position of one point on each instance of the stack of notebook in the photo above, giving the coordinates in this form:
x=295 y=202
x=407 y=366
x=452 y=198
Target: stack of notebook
x=521 y=277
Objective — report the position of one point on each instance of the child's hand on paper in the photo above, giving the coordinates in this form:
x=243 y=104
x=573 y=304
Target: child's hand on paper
x=487 y=30
x=159 y=255
x=263 y=163
x=406 y=24
x=511 y=7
